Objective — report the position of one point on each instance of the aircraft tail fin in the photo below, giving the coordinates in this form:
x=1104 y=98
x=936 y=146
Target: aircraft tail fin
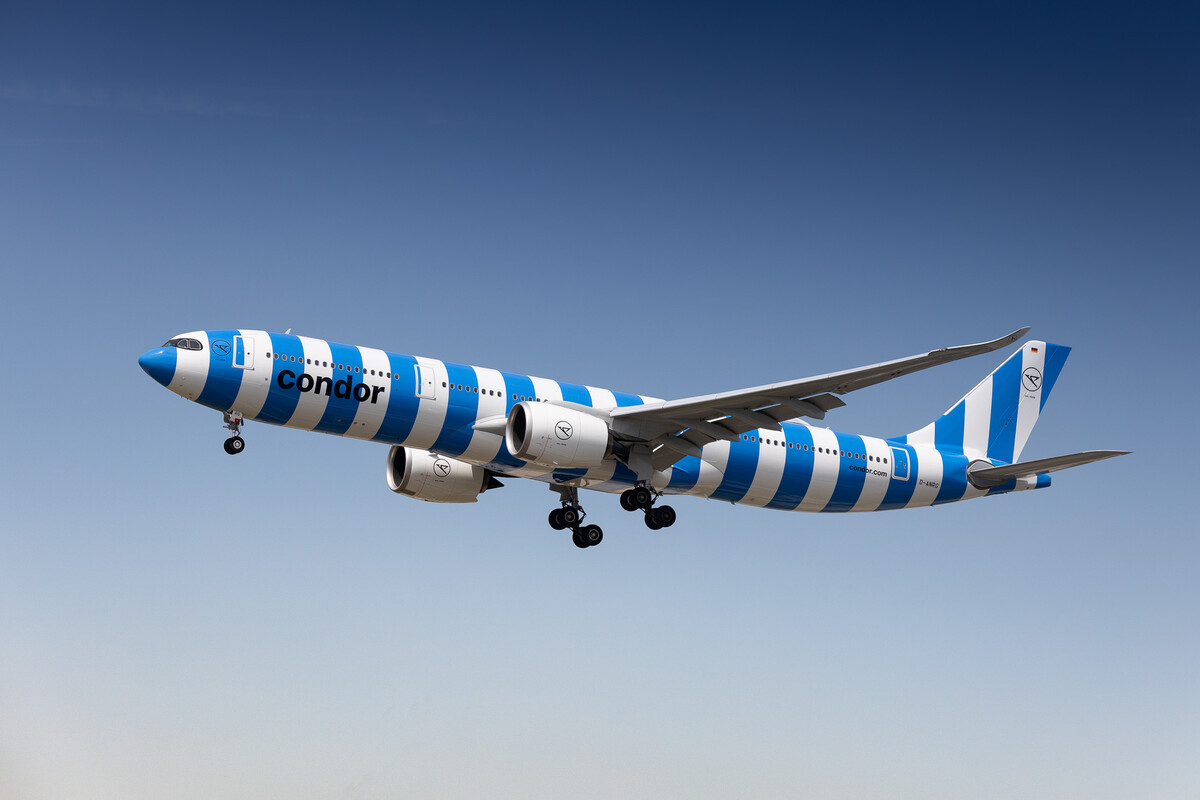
x=995 y=418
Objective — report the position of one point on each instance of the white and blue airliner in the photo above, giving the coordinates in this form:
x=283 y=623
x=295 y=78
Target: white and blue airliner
x=453 y=429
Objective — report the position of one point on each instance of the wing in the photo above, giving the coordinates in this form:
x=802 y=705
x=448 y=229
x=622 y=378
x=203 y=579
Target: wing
x=677 y=428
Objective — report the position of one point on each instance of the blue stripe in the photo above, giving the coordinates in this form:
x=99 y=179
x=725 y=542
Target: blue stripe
x=574 y=393
x=160 y=364
x=224 y=380
x=948 y=431
x=560 y=475
x=624 y=474
x=626 y=399
x=281 y=403
x=1056 y=356
x=1006 y=396
x=684 y=475
x=461 y=412
x=403 y=402
x=739 y=471
x=849 y=482
x=340 y=411
x=520 y=386
x=954 y=478
x=797 y=468
x=899 y=493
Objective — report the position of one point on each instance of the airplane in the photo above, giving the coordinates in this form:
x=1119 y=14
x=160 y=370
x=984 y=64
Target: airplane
x=454 y=429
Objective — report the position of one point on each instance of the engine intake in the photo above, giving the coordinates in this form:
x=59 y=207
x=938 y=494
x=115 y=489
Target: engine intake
x=437 y=479
x=553 y=436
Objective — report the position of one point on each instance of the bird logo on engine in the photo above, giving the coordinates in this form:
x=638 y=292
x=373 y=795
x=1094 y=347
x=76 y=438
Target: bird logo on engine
x=563 y=430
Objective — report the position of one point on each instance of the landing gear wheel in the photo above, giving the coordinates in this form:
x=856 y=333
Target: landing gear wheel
x=663 y=515
x=569 y=516
x=234 y=445
x=627 y=500
x=641 y=497
x=577 y=538
x=591 y=534
x=556 y=520
x=652 y=522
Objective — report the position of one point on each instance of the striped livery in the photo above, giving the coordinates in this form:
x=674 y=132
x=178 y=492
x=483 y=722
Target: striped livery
x=459 y=414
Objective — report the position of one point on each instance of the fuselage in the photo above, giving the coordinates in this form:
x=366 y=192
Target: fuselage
x=444 y=408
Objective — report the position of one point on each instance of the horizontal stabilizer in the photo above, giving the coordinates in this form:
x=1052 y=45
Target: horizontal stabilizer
x=985 y=477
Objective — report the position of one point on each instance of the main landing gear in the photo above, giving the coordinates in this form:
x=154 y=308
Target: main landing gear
x=642 y=497
x=571 y=515
x=234 y=444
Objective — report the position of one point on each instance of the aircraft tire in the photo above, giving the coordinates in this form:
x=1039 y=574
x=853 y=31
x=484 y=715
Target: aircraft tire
x=234 y=445
x=664 y=516
x=640 y=497
x=591 y=534
x=569 y=516
x=556 y=520
x=577 y=538
x=627 y=500
x=652 y=522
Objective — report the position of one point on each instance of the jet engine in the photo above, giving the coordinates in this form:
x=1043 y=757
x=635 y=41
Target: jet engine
x=438 y=479
x=554 y=436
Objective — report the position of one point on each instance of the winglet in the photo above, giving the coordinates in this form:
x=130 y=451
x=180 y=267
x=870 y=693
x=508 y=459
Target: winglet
x=987 y=347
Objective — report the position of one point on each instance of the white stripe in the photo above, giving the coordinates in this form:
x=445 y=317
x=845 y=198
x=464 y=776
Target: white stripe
x=430 y=413
x=256 y=383
x=370 y=415
x=825 y=470
x=1030 y=403
x=875 y=487
x=601 y=477
x=977 y=418
x=544 y=389
x=928 y=477
x=714 y=458
x=191 y=367
x=769 y=470
x=484 y=447
x=311 y=405
x=602 y=398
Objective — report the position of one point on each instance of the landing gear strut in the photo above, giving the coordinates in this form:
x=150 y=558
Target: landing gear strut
x=234 y=444
x=642 y=497
x=571 y=515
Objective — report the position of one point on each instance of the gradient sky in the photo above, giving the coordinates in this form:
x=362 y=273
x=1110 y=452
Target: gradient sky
x=670 y=200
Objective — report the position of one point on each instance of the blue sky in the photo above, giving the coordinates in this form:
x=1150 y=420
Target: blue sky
x=665 y=200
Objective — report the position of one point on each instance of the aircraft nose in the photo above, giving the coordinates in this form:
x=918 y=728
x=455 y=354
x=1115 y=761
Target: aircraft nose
x=159 y=364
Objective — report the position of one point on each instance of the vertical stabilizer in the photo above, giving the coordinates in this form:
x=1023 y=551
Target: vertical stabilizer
x=995 y=419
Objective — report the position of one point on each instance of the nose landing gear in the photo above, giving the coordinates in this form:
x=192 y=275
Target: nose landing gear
x=234 y=444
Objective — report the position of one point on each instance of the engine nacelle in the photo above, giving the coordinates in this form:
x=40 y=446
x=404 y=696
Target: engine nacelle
x=553 y=436
x=438 y=479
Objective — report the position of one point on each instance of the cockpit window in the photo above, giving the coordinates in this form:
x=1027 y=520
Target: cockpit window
x=184 y=344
